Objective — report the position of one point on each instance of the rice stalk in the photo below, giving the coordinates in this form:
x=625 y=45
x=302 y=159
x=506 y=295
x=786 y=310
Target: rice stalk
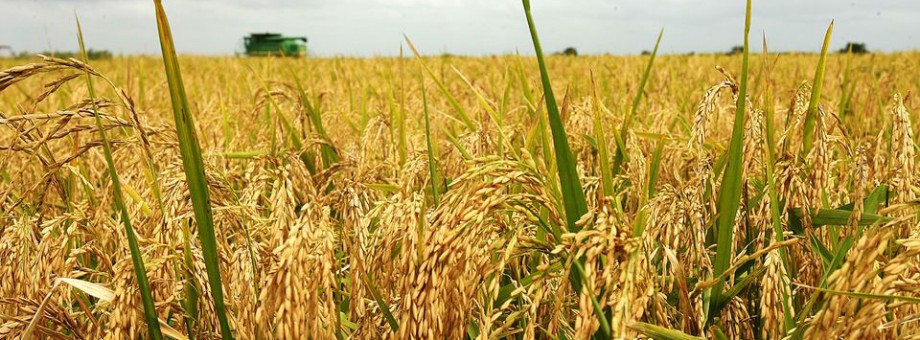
x=624 y=130
x=140 y=272
x=435 y=178
x=730 y=190
x=194 y=168
x=810 y=115
x=778 y=270
x=572 y=194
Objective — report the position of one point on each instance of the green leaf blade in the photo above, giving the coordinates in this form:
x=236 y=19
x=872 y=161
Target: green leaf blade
x=194 y=167
x=811 y=114
x=730 y=192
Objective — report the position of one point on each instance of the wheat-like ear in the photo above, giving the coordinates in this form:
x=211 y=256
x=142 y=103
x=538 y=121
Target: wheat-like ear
x=904 y=151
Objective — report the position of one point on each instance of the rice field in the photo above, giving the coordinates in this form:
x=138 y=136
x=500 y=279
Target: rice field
x=748 y=196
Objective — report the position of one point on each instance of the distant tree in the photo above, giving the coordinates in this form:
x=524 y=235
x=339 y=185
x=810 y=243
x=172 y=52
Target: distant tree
x=99 y=54
x=736 y=50
x=569 y=51
x=90 y=53
x=854 y=47
x=646 y=52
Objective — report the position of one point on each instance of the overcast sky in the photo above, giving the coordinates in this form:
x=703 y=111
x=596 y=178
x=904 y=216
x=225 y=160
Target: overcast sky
x=472 y=27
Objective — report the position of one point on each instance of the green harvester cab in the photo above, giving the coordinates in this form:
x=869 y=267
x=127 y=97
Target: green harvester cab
x=274 y=44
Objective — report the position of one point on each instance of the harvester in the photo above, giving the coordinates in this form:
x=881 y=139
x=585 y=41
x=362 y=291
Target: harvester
x=274 y=44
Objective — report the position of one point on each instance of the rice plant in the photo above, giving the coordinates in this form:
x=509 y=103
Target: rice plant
x=526 y=196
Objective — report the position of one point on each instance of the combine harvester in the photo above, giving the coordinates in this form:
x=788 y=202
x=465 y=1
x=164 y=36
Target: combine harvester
x=274 y=44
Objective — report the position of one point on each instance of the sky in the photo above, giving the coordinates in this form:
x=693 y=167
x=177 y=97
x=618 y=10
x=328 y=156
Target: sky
x=466 y=27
